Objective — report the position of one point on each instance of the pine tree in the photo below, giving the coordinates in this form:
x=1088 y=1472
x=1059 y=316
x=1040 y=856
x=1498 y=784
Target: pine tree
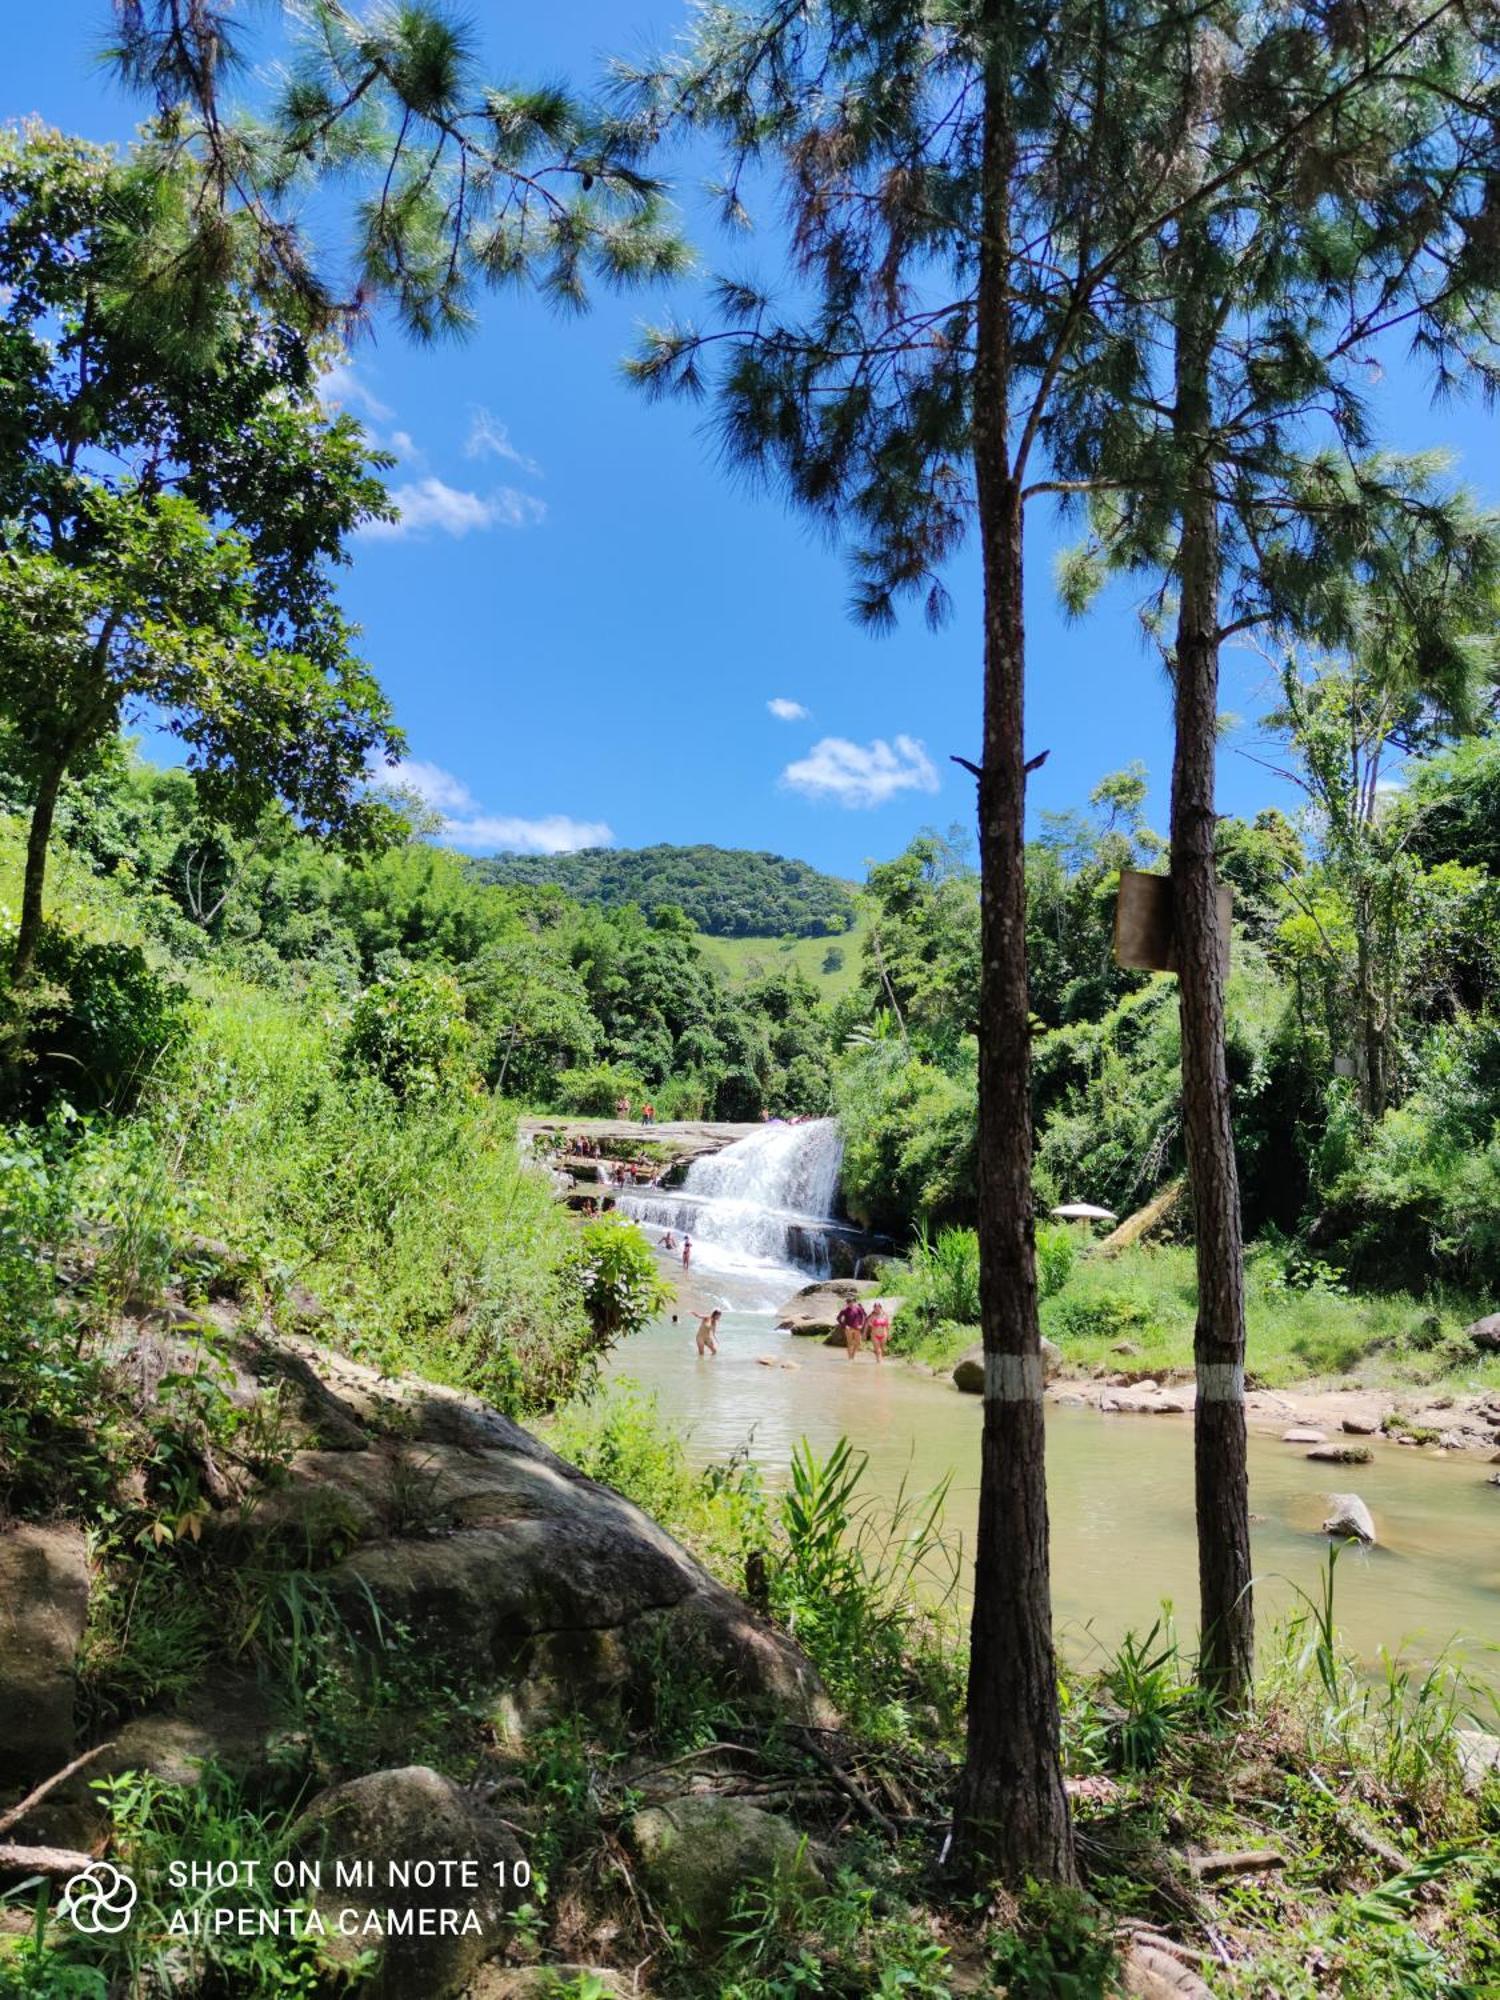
x=977 y=197
x=1273 y=290
x=458 y=183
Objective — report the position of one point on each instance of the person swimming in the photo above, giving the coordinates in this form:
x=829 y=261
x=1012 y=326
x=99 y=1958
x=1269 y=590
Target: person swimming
x=708 y=1327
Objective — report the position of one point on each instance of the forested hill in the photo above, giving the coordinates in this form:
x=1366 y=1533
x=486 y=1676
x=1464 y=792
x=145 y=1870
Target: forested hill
x=725 y=891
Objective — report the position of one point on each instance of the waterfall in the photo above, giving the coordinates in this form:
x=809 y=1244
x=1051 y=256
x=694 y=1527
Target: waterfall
x=788 y=1167
x=765 y=1202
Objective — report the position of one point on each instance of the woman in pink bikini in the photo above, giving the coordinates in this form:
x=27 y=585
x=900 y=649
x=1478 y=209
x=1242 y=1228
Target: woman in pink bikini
x=878 y=1327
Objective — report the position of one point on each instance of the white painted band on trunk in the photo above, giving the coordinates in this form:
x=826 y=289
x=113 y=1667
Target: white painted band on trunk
x=1221 y=1382
x=1013 y=1378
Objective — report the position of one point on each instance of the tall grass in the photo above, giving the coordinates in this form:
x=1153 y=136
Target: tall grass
x=415 y=1223
x=1302 y=1322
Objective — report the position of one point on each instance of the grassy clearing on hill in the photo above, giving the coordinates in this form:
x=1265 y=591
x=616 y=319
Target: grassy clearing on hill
x=746 y=958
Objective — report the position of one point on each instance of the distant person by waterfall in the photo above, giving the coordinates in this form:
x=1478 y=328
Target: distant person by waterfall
x=687 y=1252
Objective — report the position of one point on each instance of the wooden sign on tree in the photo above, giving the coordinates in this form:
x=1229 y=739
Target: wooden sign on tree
x=1145 y=930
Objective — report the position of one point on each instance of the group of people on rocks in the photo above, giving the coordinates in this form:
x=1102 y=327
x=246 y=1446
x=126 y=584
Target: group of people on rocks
x=624 y=1105
x=630 y=1173
x=860 y=1322
x=669 y=1242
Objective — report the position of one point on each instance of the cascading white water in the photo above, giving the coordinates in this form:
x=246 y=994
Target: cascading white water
x=765 y=1202
x=789 y=1167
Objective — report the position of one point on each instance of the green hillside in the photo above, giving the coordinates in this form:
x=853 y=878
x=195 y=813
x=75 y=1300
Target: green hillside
x=727 y=892
x=742 y=958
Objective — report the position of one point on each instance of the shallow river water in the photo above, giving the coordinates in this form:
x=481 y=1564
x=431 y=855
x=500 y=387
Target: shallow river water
x=1120 y=1487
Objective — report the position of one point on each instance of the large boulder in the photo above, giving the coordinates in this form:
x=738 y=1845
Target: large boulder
x=814 y=1311
x=696 y=1853
x=520 y=1564
x=429 y=1936
x=1349 y=1518
x=1485 y=1333
x=233 y=1724
x=968 y=1374
x=44 y=1601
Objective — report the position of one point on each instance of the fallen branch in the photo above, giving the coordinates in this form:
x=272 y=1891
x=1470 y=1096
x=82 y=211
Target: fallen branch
x=847 y=1786
x=56 y=1863
x=15 y=1814
x=1253 y=1861
x=1358 y=1832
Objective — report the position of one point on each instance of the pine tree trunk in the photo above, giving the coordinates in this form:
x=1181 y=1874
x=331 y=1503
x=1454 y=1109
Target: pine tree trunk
x=1221 y=1471
x=38 y=837
x=1011 y=1813
x=1371 y=1027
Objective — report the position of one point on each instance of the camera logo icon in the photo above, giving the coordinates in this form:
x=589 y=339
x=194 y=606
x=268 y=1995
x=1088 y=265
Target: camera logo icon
x=99 y=1899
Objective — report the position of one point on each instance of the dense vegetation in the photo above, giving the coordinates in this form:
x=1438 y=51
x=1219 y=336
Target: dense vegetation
x=723 y=891
x=1379 y=1169
x=545 y=1000
x=263 y=1046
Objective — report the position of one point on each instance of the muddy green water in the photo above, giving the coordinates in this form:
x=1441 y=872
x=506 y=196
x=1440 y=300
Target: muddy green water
x=1120 y=1489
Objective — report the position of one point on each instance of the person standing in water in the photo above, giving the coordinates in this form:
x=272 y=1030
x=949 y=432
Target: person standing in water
x=687 y=1252
x=708 y=1327
x=878 y=1327
x=852 y=1320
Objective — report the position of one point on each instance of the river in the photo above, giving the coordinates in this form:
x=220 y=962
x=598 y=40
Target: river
x=1120 y=1487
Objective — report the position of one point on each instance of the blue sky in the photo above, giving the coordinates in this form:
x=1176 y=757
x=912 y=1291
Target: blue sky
x=585 y=625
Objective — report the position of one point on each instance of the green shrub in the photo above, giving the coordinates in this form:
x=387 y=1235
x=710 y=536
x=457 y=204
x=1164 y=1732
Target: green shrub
x=434 y=1249
x=941 y=1278
x=596 y=1091
x=622 y=1287
x=409 y=1030
x=1062 y=1944
x=1056 y=1252
x=621 y=1438
x=96 y=1026
x=1104 y=1316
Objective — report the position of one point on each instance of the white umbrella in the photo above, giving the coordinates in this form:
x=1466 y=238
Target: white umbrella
x=1084 y=1211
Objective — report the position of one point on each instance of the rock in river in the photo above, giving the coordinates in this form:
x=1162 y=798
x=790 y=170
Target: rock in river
x=1349 y=1517
x=969 y=1373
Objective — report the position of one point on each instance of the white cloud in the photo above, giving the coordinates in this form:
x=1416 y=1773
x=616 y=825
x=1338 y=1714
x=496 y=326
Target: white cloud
x=556 y=834
x=465 y=823
x=489 y=437
x=862 y=774
x=431 y=503
x=339 y=384
x=787 y=711
x=432 y=784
